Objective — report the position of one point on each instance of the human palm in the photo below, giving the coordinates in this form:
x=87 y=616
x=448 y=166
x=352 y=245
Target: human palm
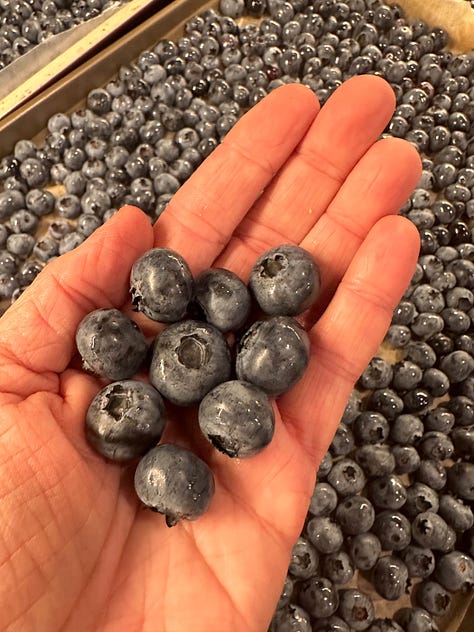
x=77 y=550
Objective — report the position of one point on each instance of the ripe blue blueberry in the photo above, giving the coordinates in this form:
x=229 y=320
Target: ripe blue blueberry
x=390 y=577
x=273 y=354
x=356 y=608
x=285 y=280
x=189 y=359
x=125 y=419
x=223 y=298
x=161 y=285
x=175 y=482
x=237 y=418
x=110 y=344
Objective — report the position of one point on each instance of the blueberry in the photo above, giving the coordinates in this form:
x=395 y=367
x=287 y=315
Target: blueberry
x=352 y=409
x=432 y=473
x=370 y=427
x=338 y=568
x=415 y=620
x=430 y=530
x=34 y=172
x=110 y=344
x=435 y=445
x=125 y=419
x=347 y=477
x=457 y=365
x=407 y=459
x=420 y=498
x=323 y=500
x=365 y=549
x=377 y=374
x=387 y=402
x=237 y=418
x=273 y=354
x=291 y=618
x=406 y=429
x=420 y=561
x=404 y=313
x=384 y=625
x=463 y=441
x=375 y=460
x=20 y=244
x=406 y=375
x=304 y=559
x=325 y=466
x=461 y=480
x=356 y=608
x=175 y=482
x=455 y=572
x=161 y=285
x=285 y=280
x=319 y=597
x=427 y=299
x=286 y=592
x=223 y=298
x=324 y=534
x=392 y=529
x=355 y=515
x=390 y=577
x=387 y=492
x=435 y=382
x=422 y=354
x=330 y=624
x=343 y=441
x=189 y=359
x=432 y=597
x=70 y=241
x=45 y=249
x=10 y=201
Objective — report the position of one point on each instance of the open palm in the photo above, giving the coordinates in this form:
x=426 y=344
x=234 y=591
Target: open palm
x=77 y=552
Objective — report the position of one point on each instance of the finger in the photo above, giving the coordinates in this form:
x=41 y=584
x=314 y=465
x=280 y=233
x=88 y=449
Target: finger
x=349 y=332
x=347 y=126
x=37 y=333
x=379 y=185
x=204 y=212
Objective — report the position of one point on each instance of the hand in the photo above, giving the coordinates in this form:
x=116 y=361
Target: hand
x=77 y=552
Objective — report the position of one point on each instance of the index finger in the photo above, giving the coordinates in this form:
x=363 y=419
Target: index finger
x=202 y=215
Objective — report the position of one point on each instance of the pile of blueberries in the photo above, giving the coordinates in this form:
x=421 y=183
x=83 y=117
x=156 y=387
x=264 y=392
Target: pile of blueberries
x=26 y=23
x=393 y=501
x=195 y=361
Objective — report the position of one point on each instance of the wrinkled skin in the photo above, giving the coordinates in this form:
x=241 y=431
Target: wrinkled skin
x=77 y=551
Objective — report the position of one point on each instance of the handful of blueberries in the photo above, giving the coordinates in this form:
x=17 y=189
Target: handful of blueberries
x=192 y=365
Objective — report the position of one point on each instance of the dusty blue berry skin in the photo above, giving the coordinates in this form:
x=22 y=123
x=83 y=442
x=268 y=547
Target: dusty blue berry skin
x=175 y=482
x=110 y=344
x=356 y=608
x=390 y=577
x=189 y=359
x=161 y=285
x=415 y=620
x=455 y=571
x=319 y=597
x=285 y=280
x=365 y=550
x=273 y=354
x=304 y=559
x=433 y=597
x=237 y=418
x=223 y=298
x=125 y=419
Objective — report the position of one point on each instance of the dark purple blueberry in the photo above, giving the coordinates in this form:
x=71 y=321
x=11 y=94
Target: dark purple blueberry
x=347 y=477
x=387 y=402
x=431 y=473
x=125 y=419
x=343 y=441
x=432 y=597
x=407 y=459
x=370 y=427
x=285 y=280
x=110 y=344
x=161 y=285
x=420 y=561
x=237 y=418
x=365 y=549
x=387 y=492
x=461 y=480
x=430 y=530
x=377 y=374
x=421 y=354
x=420 y=498
x=457 y=365
x=338 y=568
x=415 y=620
x=324 y=500
x=406 y=429
x=375 y=460
x=439 y=419
x=319 y=597
x=273 y=354
x=356 y=608
x=189 y=359
x=435 y=445
x=355 y=514
x=390 y=577
x=406 y=375
x=174 y=482
x=325 y=534
x=435 y=382
x=404 y=313
x=455 y=572
x=304 y=560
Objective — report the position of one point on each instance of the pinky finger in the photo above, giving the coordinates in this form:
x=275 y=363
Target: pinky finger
x=349 y=332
